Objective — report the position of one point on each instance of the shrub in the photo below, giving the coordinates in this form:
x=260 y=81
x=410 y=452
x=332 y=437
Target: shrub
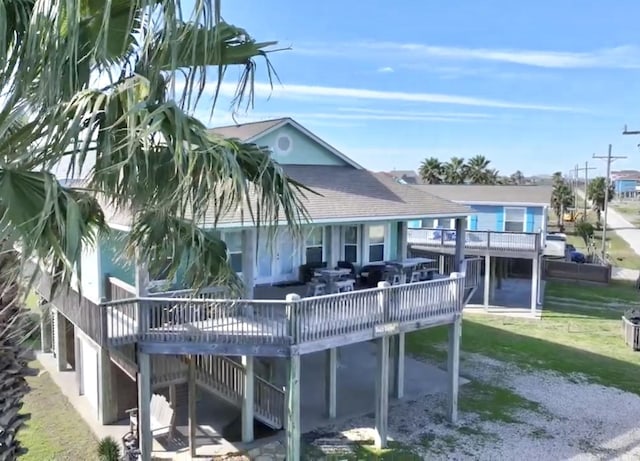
x=108 y=449
x=585 y=230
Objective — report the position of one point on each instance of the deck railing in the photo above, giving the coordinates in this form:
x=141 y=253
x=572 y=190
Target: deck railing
x=499 y=241
x=280 y=322
x=82 y=312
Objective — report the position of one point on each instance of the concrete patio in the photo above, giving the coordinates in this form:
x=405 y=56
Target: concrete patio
x=356 y=372
x=512 y=297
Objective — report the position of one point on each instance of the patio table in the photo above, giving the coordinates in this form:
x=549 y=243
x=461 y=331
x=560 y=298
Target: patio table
x=330 y=276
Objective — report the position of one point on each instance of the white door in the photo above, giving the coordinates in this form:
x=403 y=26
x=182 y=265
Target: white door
x=89 y=357
x=286 y=257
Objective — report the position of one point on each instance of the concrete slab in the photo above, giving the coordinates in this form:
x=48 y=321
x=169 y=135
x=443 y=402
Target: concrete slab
x=514 y=293
x=355 y=394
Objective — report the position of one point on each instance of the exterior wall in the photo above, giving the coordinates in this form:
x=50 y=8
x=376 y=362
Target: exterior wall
x=303 y=150
x=491 y=218
x=91 y=276
x=112 y=258
x=622 y=186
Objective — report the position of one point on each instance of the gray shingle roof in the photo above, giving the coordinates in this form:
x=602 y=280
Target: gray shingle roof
x=348 y=193
x=468 y=193
x=247 y=131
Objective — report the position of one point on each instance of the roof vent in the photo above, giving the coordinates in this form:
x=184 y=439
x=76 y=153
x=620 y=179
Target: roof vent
x=283 y=144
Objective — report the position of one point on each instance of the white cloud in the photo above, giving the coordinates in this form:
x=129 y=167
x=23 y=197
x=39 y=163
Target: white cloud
x=321 y=93
x=385 y=70
x=622 y=57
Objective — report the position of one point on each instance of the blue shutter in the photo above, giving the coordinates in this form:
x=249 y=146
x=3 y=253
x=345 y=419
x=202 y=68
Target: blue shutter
x=530 y=217
x=474 y=222
x=500 y=220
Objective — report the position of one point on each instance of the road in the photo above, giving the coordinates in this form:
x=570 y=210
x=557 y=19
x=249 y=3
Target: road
x=630 y=234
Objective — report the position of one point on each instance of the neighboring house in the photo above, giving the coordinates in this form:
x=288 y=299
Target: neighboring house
x=507 y=225
x=358 y=216
x=626 y=183
x=405 y=176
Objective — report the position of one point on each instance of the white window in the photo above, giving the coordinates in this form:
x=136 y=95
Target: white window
x=351 y=239
x=314 y=245
x=233 y=240
x=376 y=236
x=514 y=219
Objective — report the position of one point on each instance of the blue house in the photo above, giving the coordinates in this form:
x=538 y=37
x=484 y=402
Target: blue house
x=626 y=183
x=132 y=333
x=507 y=226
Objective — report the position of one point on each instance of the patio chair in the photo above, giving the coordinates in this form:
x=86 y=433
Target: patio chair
x=163 y=417
x=415 y=276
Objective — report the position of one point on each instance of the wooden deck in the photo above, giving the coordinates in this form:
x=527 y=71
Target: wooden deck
x=190 y=323
x=512 y=244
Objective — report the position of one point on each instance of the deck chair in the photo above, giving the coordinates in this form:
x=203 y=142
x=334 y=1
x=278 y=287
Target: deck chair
x=163 y=417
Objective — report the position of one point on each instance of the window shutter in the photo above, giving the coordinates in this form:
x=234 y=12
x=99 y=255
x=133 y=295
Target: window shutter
x=529 y=220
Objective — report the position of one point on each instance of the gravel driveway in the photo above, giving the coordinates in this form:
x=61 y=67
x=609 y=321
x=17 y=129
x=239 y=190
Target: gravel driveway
x=527 y=415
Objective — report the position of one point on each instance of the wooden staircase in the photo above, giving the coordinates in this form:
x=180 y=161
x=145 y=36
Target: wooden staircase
x=221 y=376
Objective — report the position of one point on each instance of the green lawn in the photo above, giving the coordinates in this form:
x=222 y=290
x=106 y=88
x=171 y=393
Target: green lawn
x=55 y=430
x=584 y=340
x=630 y=210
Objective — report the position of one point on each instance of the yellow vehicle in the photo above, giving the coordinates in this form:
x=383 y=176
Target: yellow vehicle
x=573 y=215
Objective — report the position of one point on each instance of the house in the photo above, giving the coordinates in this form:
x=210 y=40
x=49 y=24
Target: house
x=507 y=226
x=127 y=341
x=405 y=176
x=626 y=183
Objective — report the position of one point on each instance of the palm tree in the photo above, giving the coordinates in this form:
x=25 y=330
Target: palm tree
x=477 y=170
x=561 y=199
x=517 y=178
x=455 y=171
x=431 y=170
x=596 y=193
x=557 y=178
x=135 y=134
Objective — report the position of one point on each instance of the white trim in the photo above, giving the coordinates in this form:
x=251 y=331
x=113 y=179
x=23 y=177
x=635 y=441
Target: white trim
x=505 y=204
x=524 y=217
x=309 y=134
x=366 y=243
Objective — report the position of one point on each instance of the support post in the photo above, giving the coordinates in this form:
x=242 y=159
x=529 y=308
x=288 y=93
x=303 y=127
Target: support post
x=500 y=263
x=248 y=399
x=382 y=392
x=78 y=365
x=173 y=396
x=453 y=367
x=144 y=406
x=249 y=254
x=487 y=281
x=334 y=250
x=46 y=334
x=461 y=226
x=493 y=277
x=293 y=409
x=403 y=244
x=398 y=365
x=534 y=284
x=331 y=381
x=192 y=400
x=107 y=397
x=441 y=264
x=61 y=341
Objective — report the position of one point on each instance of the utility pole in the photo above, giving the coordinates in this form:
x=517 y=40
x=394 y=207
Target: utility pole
x=586 y=169
x=575 y=189
x=627 y=132
x=610 y=159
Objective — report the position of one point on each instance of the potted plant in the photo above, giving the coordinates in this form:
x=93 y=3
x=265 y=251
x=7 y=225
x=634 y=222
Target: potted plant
x=631 y=328
x=108 y=449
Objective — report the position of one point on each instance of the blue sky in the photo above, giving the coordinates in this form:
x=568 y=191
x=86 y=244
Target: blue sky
x=535 y=86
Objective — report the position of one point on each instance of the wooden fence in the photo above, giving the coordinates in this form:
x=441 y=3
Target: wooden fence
x=563 y=270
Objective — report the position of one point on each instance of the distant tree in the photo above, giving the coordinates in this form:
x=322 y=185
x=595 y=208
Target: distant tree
x=455 y=171
x=478 y=171
x=561 y=199
x=517 y=178
x=596 y=194
x=585 y=230
x=431 y=170
x=557 y=178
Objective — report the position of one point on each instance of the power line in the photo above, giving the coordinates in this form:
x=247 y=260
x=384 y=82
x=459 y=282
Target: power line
x=610 y=158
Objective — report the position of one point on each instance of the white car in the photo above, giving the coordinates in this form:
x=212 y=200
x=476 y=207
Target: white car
x=556 y=245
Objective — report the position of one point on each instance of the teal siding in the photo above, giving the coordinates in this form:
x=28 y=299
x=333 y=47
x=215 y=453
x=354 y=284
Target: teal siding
x=304 y=150
x=499 y=219
x=393 y=241
x=473 y=224
x=112 y=258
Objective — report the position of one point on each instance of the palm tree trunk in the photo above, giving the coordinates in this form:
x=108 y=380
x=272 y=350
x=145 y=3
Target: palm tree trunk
x=14 y=354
